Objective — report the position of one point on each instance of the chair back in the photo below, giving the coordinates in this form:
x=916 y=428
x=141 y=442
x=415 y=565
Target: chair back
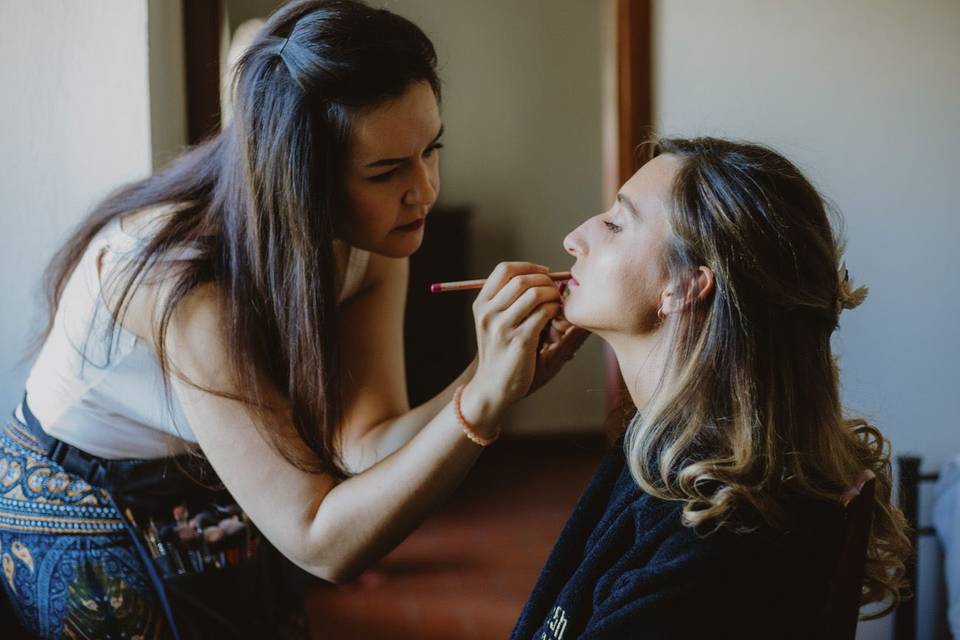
x=843 y=604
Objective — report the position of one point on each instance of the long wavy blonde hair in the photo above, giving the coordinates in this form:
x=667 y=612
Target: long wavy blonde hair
x=748 y=412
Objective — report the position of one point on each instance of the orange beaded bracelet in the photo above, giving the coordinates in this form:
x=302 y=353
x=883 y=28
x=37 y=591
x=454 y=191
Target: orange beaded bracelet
x=466 y=426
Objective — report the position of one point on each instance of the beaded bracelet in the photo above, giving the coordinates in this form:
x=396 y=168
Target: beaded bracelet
x=466 y=426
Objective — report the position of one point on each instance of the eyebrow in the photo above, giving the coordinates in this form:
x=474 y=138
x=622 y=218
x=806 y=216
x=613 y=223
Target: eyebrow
x=388 y=162
x=628 y=204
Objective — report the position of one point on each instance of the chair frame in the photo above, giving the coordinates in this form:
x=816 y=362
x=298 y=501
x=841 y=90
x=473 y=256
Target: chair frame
x=908 y=469
x=843 y=609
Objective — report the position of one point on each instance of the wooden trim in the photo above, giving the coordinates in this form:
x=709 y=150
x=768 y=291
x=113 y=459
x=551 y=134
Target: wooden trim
x=202 y=22
x=634 y=80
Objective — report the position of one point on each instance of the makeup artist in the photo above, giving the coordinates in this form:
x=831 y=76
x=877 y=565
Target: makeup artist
x=246 y=304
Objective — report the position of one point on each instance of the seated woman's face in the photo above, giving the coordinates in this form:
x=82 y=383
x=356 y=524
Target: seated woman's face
x=620 y=272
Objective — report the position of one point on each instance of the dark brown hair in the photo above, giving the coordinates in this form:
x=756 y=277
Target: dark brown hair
x=262 y=200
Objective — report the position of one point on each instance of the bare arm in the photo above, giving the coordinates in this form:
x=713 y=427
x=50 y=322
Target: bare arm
x=334 y=530
x=377 y=419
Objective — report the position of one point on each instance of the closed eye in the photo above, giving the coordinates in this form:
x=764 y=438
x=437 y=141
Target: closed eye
x=431 y=149
x=386 y=175
x=613 y=228
x=383 y=177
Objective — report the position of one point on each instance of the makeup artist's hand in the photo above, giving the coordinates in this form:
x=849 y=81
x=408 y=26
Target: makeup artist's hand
x=559 y=342
x=510 y=312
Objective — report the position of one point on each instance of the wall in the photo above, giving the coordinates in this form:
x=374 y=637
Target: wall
x=865 y=96
x=74 y=124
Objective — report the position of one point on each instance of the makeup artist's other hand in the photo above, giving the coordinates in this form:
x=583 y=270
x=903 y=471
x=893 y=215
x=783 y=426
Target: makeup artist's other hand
x=510 y=312
x=559 y=342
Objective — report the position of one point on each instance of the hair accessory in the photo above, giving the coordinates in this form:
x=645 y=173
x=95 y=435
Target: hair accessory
x=847 y=296
x=283 y=46
x=468 y=428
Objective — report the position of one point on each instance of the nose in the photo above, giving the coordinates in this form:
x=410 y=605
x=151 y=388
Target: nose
x=573 y=242
x=424 y=188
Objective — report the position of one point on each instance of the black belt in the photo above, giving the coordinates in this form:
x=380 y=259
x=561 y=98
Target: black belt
x=144 y=481
x=97 y=471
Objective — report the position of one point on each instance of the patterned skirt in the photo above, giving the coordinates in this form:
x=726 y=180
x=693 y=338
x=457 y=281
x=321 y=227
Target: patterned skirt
x=71 y=568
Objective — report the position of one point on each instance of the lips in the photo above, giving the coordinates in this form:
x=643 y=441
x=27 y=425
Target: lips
x=412 y=226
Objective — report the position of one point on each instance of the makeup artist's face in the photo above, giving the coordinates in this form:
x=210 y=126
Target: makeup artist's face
x=620 y=270
x=393 y=175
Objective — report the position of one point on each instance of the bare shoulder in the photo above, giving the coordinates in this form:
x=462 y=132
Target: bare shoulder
x=199 y=311
x=154 y=287
x=195 y=341
x=195 y=320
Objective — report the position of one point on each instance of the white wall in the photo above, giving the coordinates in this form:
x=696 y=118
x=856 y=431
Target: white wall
x=74 y=124
x=522 y=105
x=865 y=96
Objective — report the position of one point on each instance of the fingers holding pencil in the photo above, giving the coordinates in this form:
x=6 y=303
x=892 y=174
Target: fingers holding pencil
x=514 y=304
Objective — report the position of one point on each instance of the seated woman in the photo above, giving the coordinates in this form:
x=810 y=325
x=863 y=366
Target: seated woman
x=716 y=278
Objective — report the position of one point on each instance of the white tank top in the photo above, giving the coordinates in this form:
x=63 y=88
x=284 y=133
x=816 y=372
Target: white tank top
x=116 y=408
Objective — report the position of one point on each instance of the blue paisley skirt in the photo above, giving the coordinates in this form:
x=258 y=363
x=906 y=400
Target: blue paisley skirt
x=74 y=567
x=70 y=569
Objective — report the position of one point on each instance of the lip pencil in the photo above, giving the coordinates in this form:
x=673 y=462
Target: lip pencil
x=465 y=285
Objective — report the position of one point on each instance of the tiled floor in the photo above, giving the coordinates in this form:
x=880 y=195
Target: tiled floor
x=468 y=570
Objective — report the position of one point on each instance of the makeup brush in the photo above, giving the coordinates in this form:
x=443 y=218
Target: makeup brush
x=236 y=540
x=190 y=542
x=213 y=539
x=466 y=285
x=180 y=514
x=227 y=510
x=203 y=520
x=169 y=541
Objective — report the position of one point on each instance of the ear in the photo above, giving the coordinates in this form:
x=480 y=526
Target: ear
x=699 y=286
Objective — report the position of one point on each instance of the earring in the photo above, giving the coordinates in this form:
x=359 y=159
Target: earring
x=661 y=316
